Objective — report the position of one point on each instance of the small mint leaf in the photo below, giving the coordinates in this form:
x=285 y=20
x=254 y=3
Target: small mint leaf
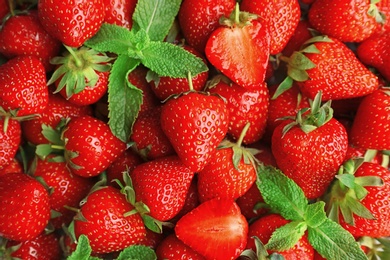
x=332 y=241
x=124 y=99
x=156 y=17
x=137 y=252
x=287 y=236
x=315 y=214
x=170 y=60
x=83 y=250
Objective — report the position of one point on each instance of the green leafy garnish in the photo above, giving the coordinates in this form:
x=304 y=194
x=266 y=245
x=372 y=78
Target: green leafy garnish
x=83 y=250
x=137 y=252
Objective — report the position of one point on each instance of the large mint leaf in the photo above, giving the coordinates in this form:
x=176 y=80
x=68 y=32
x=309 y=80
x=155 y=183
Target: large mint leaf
x=137 y=252
x=124 y=99
x=287 y=236
x=333 y=242
x=167 y=59
x=156 y=17
x=282 y=194
x=315 y=214
x=83 y=250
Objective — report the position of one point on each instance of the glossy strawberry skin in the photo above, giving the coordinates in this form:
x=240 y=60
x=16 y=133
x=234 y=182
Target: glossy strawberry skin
x=10 y=141
x=25 y=207
x=119 y=12
x=93 y=142
x=311 y=160
x=105 y=226
x=4 y=9
x=195 y=123
x=23 y=85
x=71 y=22
x=13 y=167
x=173 y=248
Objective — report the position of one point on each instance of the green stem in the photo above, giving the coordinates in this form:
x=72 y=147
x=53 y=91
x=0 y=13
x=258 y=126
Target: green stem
x=78 y=62
x=189 y=78
x=243 y=133
x=237 y=14
x=57 y=147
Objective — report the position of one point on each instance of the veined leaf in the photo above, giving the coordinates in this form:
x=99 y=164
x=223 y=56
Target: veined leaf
x=137 y=252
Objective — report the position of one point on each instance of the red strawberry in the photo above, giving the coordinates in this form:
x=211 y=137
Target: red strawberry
x=215 y=229
x=60 y=108
x=10 y=139
x=119 y=12
x=371 y=126
x=13 y=167
x=239 y=48
x=66 y=189
x=23 y=85
x=173 y=248
x=24 y=35
x=301 y=34
x=102 y=220
x=25 y=207
x=90 y=146
x=71 y=22
x=347 y=20
x=191 y=201
x=281 y=17
x=244 y=106
x=199 y=18
x=263 y=228
x=166 y=197
x=195 y=123
x=310 y=148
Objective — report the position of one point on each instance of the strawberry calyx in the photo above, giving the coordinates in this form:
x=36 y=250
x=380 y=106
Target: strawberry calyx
x=375 y=248
x=261 y=252
x=348 y=191
x=77 y=69
x=6 y=252
x=374 y=12
x=237 y=18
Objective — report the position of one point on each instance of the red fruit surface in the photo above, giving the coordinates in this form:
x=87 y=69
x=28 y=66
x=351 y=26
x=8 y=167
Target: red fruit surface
x=119 y=12
x=9 y=141
x=173 y=248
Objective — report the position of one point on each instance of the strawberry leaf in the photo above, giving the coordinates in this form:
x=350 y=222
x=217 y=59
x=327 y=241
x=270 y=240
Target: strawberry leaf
x=156 y=17
x=285 y=237
x=137 y=252
x=124 y=99
x=83 y=250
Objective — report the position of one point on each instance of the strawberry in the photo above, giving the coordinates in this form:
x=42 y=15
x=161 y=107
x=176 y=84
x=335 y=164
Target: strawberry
x=245 y=106
x=198 y=19
x=108 y=205
x=25 y=207
x=43 y=246
x=239 y=48
x=24 y=35
x=166 y=197
x=148 y=136
x=301 y=34
x=71 y=22
x=310 y=148
x=10 y=139
x=216 y=229
x=90 y=146
x=281 y=17
x=13 y=167
x=66 y=189
x=173 y=248
x=60 y=108
x=263 y=228
x=375 y=52
x=347 y=20
x=119 y=12
x=370 y=128
x=23 y=85
x=191 y=201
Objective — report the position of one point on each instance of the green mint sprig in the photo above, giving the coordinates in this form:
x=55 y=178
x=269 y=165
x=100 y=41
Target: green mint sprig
x=286 y=198
x=143 y=44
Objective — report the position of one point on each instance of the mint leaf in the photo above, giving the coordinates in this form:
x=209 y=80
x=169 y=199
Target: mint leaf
x=287 y=236
x=167 y=59
x=315 y=214
x=332 y=241
x=282 y=194
x=124 y=99
x=137 y=252
x=83 y=250
x=156 y=17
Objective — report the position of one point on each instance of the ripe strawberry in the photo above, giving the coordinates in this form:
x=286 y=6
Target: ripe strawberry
x=102 y=220
x=263 y=228
x=24 y=35
x=90 y=146
x=23 y=85
x=25 y=207
x=191 y=201
x=310 y=148
x=375 y=52
x=281 y=17
x=215 y=229
x=66 y=189
x=347 y=20
x=13 y=167
x=119 y=12
x=71 y=22
x=244 y=106
x=148 y=136
x=60 y=108
x=195 y=123
x=371 y=126
x=199 y=18
x=173 y=248
x=166 y=197
x=239 y=48
x=301 y=34
x=43 y=246
x=10 y=139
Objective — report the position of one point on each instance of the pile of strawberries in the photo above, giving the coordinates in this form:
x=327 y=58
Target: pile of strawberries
x=195 y=129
